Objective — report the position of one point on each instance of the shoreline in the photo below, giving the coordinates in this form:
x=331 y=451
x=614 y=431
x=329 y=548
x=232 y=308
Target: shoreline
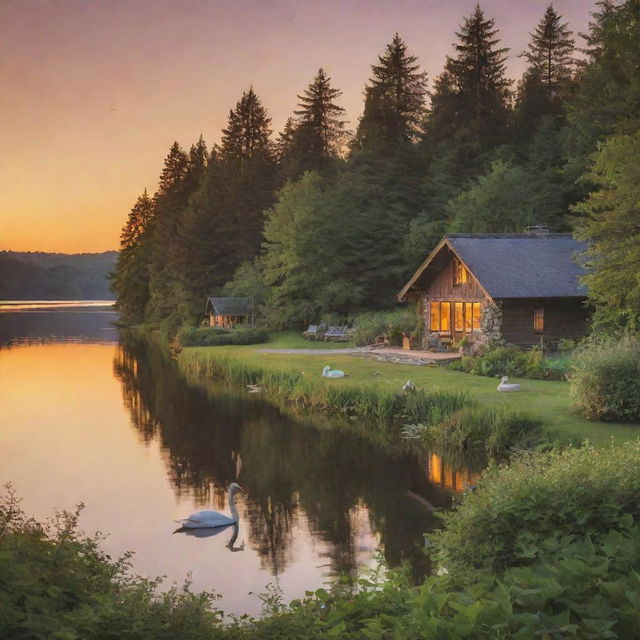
x=373 y=389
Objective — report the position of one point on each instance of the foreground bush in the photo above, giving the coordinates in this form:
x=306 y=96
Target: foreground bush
x=605 y=379
x=57 y=583
x=486 y=431
x=509 y=360
x=374 y=323
x=573 y=492
x=575 y=589
x=217 y=336
x=548 y=547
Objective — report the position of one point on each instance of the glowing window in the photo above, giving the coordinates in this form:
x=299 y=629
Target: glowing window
x=477 y=316
x=460 y=275
x=458 y=316
x=435 y=316
x=538 y=320
x=445 y=316
x=468 y=317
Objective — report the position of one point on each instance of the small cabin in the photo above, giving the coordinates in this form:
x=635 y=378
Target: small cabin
x=228 y=312
x=523 y=288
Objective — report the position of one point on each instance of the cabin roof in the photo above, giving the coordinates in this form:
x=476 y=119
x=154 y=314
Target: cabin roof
x=522 y=265
x=229 y=306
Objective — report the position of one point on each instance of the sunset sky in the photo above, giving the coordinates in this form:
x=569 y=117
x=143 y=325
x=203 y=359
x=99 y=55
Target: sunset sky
x=93 y=92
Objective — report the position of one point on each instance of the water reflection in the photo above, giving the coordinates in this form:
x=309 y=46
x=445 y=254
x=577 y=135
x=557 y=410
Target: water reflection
x=444 y=475
x=352 y=494
x=322 y=498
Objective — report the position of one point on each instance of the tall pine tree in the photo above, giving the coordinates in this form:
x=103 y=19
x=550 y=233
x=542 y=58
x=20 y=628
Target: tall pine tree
x=170 y=201
x=548 y=79
x=471 y=99
x=322 y=117
x=394 y=105
x=130 y=279
x=222 y=226
x=317 y=136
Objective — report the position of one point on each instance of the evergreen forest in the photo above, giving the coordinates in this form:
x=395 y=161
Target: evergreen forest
x=326 y=218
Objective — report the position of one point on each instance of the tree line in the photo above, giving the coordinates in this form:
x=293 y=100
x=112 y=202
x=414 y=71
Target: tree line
x=321 y=219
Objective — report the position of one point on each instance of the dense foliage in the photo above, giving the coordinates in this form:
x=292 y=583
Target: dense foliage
x=217 y=336
x=471 y=152
x=572 y=492
x=509 y=360
x=368 y=326
x=605 y=379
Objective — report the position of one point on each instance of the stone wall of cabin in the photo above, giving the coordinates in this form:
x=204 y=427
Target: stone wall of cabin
x=563 y=318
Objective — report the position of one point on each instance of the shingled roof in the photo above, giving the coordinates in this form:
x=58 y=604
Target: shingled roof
x=522 y=265
x=229 y=306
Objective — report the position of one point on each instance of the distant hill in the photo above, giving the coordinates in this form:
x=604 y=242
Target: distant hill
x=55 y=276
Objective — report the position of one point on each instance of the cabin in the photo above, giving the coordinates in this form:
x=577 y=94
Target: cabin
x=523 y=288
x=228 y=312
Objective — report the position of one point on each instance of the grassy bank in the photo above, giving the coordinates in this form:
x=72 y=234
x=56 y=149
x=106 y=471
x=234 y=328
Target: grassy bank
x=547 y=400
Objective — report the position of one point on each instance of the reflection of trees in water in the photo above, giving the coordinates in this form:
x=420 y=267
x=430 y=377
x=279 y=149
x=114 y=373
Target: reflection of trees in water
x=293 y=471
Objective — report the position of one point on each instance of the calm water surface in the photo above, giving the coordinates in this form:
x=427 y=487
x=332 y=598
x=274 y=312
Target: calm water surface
x=87 y=415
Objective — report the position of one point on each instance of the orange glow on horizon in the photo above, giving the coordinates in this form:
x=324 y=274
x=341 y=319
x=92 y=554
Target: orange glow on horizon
x=92 y=94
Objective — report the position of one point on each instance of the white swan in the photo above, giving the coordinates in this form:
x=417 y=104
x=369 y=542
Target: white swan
x=408 y=387
x=212 y=519
x=328 y=372
x=505 y=385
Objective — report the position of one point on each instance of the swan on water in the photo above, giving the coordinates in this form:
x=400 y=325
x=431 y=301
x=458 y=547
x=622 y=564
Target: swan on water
x=505 y=385
x=328 y=372
x=212 y=519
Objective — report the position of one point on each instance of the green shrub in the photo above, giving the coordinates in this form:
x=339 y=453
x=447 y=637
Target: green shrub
x=217 y=336
x=486 y=431
x=374 y=323
x=605 y=379
x=509 y=360
x=575 y=588
x=574 y=492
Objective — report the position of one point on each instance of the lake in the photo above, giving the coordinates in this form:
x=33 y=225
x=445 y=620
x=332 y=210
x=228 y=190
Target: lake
x=93 y=415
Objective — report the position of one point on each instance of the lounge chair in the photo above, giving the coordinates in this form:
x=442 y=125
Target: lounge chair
x=311 y=333
x=337 y=334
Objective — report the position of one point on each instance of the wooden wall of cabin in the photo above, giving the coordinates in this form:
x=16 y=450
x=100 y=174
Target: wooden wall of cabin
x=441 y=286
x=442 y=289
x=563 y=318
x=226 y=322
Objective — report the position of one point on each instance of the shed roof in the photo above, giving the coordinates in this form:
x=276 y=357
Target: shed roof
x=523 y=265
x=229 y=306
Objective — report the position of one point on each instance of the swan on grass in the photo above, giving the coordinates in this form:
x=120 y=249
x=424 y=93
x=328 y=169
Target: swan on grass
x=211 y=519
x=328 y=372
x=507 y=386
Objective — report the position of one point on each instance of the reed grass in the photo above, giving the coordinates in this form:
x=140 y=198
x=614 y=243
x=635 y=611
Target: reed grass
x=384 y=405
x=490 y=431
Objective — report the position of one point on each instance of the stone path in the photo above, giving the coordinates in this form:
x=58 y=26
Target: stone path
x=388 y=354
x=314 y=352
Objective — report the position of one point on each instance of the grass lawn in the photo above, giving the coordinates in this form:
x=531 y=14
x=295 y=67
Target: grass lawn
x=548 y=400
